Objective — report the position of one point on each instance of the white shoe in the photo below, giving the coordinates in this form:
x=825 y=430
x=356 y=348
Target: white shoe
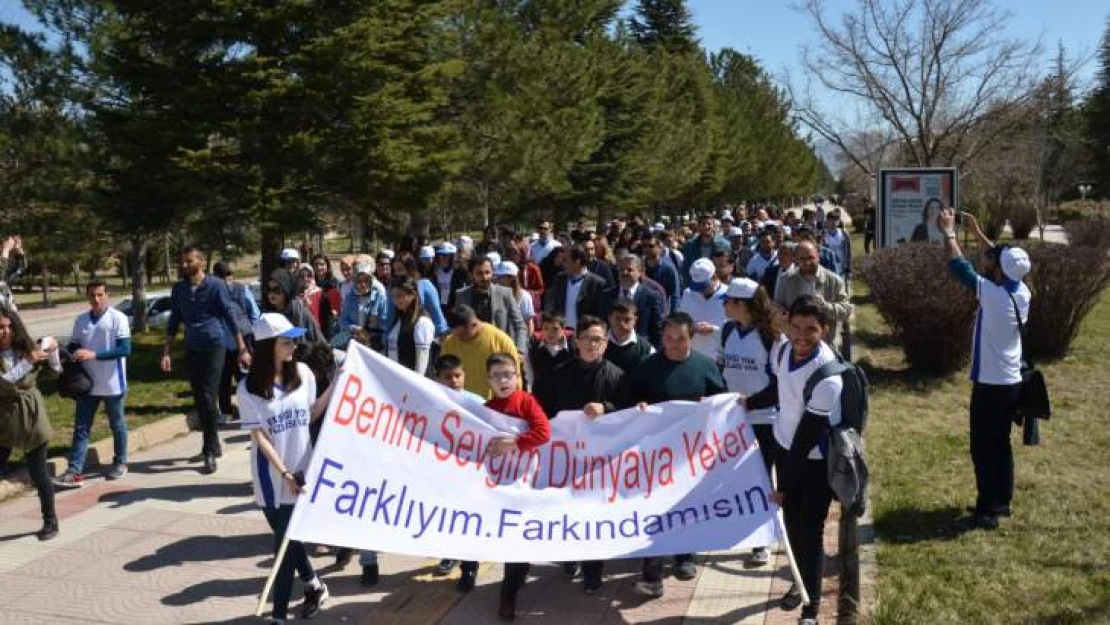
x=759 y=557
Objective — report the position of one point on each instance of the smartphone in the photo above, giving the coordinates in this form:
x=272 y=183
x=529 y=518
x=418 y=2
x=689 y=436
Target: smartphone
x=298 y=477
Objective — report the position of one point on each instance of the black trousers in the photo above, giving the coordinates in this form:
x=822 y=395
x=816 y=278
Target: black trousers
x=992 y=411
x=296 y=558
x=40 y=477
x=804 y=512
x=768 y=446
x=205 y=368
x=516 y=573
x=653 y=567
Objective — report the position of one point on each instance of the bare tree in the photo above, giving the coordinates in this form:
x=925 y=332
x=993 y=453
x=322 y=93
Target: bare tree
x=931 y=72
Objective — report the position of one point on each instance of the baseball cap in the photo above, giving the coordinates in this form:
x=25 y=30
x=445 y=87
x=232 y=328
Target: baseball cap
x=465 y=240
x=1015 y=263
x=494 y=258
x=447 y=249
x=701 y=272
x=735 y=232
x=658 y=227
x=363 y=268
x=506 y=268
x=742 y=288
x=272 y=325
x=427 y=253
x=725 y=215
x=388 y=254
x=290 y=253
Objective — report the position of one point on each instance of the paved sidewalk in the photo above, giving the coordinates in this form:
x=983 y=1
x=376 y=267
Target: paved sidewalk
x=168 y=545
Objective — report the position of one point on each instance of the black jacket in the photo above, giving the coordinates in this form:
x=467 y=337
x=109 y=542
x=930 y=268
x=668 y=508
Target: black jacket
x=591 y=296
x=578 y=383
x=649 y=311
x=543 y=371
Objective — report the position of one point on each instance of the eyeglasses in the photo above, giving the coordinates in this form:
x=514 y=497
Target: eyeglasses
x=593 y=341
x=505 y=375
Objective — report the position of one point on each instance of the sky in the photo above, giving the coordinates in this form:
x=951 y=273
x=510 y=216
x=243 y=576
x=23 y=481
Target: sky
x=775 y=33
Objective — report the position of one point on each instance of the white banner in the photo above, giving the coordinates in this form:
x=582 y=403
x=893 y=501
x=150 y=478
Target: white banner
x=401 y=467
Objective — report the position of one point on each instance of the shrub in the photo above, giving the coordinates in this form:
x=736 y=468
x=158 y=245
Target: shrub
x=1066 y=281
x=1093 y=232
x=929 y=312
x=1023 y=218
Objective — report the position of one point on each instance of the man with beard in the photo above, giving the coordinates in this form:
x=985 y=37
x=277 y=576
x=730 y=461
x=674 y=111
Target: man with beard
x=810 y=278
x=202 y=303
x=493 y=303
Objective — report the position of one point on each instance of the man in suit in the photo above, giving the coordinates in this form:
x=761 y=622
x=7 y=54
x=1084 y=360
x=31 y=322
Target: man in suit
x=493 y=303
x=576 y=291
x=649 y=304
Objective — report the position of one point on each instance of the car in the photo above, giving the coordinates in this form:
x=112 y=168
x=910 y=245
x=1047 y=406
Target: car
x=157 y=309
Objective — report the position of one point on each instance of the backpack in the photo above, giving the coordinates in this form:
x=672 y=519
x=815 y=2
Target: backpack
x=848 y=473
x=73 y=381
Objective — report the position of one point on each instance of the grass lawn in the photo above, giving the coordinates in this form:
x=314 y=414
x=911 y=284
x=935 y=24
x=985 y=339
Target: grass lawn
x=1050 y=563
x=152 y=395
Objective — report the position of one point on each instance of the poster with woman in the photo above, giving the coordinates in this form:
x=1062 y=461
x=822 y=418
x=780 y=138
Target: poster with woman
x=909 y=201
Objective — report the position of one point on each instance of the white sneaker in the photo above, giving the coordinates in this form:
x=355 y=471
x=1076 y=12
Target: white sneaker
x=759 y=557
x=648 y=589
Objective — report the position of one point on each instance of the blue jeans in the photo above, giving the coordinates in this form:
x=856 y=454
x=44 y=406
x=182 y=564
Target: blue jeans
x=367 y=557
x=295 y=560
x=86 y=410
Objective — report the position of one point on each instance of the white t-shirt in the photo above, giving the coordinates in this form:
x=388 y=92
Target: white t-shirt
x=109 y=377
x=996 y=348
x=285 y=419
x=792 y=380
x=423 y=333
x=758 y=265
x=747 y=367
x=710 y=310
x=540 y=248
x=838 y=241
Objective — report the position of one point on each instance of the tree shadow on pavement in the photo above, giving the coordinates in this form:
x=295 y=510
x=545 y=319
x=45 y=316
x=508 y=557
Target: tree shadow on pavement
x=179 y=493
x=163 y=465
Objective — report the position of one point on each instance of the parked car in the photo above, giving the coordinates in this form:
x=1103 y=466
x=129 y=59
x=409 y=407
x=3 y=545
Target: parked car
x=157 y=309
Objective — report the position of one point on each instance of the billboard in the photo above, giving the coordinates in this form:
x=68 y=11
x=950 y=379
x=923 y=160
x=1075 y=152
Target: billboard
x=909 y=200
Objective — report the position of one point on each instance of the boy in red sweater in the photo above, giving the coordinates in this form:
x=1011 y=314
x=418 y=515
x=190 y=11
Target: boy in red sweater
x=508 y=399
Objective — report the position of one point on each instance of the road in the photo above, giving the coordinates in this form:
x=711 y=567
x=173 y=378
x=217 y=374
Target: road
x=56 y=322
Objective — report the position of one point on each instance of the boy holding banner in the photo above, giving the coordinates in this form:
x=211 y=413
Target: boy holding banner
x=503 y=377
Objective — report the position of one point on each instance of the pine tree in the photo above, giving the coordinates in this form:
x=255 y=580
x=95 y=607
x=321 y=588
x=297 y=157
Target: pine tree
x=666 y=24
x=1098 y=120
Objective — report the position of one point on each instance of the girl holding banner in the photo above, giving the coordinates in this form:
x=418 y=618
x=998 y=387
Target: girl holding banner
x=276 y=403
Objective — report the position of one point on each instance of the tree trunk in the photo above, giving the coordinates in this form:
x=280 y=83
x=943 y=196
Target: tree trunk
x=76 y=277
x=46 y=286
x=138 y=281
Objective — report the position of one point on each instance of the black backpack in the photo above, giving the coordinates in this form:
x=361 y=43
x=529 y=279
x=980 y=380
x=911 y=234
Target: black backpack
x=73 y=381
x=730 y=327
x=855 y=396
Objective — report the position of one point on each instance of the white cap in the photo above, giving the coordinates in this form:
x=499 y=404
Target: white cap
x=290 y=253
x=447 y=249
x=534 y=237
x=271 y=325
x=735 y=232
x=427 y=253
x=659 y=227
x=786 y=231
x=506 y=268
x=742 y=288
x=363 y=268
x=1015 y=263
x=702 y=270
x=494 y=258
x=465 y=240
x=388 y=254
x=725 y=215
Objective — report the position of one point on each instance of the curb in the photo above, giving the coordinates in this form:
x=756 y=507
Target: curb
x=101 y=452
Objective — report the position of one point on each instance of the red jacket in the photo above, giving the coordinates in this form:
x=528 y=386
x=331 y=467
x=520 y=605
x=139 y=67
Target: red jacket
x=523 y=406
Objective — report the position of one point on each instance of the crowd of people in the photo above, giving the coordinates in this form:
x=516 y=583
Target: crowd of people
x=750 y=300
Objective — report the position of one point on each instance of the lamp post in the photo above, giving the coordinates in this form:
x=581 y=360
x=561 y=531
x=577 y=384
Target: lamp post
x=1084 y=189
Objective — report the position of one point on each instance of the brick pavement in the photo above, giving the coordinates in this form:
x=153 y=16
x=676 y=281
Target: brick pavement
x=168 y=545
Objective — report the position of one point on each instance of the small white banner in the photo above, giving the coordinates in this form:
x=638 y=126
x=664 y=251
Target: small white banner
x=401 y=467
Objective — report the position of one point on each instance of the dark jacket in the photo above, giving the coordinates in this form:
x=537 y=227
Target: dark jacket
x=602 y=270
x=628 y=357
x=578 y=383
x=692 y=251
x=543 y=371
x=206 y=312
x=591 y=297
x=649 y=311
x=295 y=310
x=504 y=312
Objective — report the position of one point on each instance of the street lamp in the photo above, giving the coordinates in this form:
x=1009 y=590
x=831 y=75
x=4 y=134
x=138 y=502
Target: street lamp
x=1084 y=189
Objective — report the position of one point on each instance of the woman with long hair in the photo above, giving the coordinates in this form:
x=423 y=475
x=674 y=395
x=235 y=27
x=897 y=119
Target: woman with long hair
x=321 y=265
x=277 y=404
x=24 y=423
x=411 y=332
x=405 y=265
x=749 y=341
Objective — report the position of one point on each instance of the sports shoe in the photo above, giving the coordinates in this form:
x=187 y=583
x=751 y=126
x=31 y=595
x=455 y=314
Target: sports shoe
x=570 y=570
x=792 y=599
x=117 y=471
x=314 y=599
x=591 y=584
x=466 y=581
x=808 y=621
x=445 y=567
x=69 y=480
x=648 y=589
x=49 y=530
x=686 y=570
x=759 y=557
x=369 y=575
x=506 y=612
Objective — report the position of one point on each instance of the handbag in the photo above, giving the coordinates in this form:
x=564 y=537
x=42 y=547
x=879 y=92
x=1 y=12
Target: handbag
x=74 y=381
x=1033 y=402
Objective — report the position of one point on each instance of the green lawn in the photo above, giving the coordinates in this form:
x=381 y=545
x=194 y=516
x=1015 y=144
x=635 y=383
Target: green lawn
x=152 y=395
x=1050 y=563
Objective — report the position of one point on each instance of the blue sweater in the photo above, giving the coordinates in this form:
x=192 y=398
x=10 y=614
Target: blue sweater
x=429 y=301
